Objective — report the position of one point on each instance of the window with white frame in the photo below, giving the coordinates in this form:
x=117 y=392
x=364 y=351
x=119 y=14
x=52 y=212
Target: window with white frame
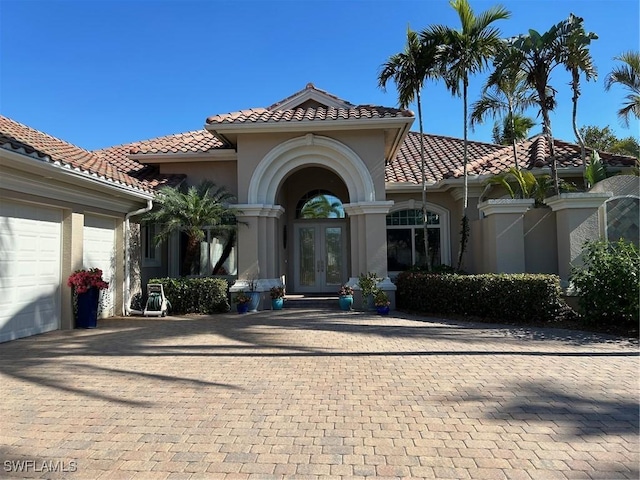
x=405 y=237
x=150 y=251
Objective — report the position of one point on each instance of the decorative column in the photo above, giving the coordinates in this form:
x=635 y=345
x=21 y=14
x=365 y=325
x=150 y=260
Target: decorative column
x=503 y=234
x=258 y=249
x=72 y=229
x=368 y=222
x=577 y=222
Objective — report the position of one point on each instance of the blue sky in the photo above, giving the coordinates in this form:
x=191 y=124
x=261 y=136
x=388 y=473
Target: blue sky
x=101 y=73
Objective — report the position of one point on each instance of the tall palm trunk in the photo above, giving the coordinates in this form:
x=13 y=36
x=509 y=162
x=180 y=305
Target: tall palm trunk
x=546 y=130
x=464 y=233
x=513 y=133
x=423 y=168
x=575 y=86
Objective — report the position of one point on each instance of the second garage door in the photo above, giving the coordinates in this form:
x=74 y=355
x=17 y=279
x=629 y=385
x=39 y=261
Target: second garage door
x=99 y=252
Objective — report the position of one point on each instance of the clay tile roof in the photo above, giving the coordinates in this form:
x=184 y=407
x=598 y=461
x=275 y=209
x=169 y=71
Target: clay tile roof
x=197 y=141
x=309 y=86
x=18 y=137
x=444 y=156
x=263 y=115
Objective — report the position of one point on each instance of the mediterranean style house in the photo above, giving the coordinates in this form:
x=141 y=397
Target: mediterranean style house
x=64 y=208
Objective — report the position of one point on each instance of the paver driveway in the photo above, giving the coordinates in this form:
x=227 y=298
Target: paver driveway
x=317 y=394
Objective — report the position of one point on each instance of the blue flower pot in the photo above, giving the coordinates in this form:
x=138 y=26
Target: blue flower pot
x=242 y=307
x=255 y=301
x=88 y=309
x=382 y=310
x=277 y=303
x=345 y=302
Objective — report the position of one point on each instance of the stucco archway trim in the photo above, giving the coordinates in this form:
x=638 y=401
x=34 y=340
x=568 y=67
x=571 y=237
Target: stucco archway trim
x=310 y=150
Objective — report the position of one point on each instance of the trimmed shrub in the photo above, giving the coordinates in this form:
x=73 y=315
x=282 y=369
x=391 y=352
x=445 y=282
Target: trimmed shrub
x=521 y=298
x=195 y=295
x=608 y=284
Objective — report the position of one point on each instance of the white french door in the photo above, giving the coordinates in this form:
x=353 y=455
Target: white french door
x=320 y=256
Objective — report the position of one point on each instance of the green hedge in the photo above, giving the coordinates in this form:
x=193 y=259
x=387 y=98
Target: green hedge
x=195 y=295
x=521 y=298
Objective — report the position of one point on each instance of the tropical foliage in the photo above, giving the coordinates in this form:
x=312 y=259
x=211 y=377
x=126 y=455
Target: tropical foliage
x=462 y=53
x=409 y=70
x=609 y=282
x=195 y=295
x=322 y=206
x=191 y=210
x=507 y=94
x=627 y=75
x=604 y=140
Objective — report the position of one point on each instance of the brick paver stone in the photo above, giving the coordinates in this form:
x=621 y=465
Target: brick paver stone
x=303 y=394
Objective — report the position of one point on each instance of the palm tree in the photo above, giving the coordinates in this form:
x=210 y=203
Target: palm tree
x=507 y=94
x=409 y=70
x=463 y=53
x=191 y=210
x=537 y=55
x=578 y=60
x=627 y=75
x=514 y=129
x=321 y=207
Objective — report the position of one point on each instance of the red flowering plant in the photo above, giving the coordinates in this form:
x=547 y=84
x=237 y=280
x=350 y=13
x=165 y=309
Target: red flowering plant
x=83 y=280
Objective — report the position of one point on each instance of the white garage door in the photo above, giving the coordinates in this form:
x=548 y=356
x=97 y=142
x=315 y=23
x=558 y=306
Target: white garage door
x=99 y=252
x=30 y=241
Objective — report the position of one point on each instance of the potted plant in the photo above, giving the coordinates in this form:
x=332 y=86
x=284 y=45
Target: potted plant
x=254 y=295
x=242 y=301
x=277 y=297
x=369 y=286
x=345 y=299
x=86 y=285
x=381 y=301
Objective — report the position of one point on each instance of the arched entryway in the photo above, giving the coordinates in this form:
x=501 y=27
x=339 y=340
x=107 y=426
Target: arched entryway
x=274 y=243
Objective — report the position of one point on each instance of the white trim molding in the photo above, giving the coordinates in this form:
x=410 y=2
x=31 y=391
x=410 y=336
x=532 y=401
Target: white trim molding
x=310 y=150
x=577 y=200
x=365 y=208
x=505 y=205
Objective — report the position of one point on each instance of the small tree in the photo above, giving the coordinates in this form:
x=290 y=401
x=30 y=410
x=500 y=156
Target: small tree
x=191 y=210
x=609 y=283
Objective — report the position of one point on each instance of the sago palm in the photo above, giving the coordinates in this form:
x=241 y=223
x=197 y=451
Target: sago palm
x=464 y=52
x=409 y=70
x=191 y=210
x=627 y=75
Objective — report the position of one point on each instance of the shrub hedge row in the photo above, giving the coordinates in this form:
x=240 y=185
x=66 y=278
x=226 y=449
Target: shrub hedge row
x=195 y=295
x=519 y=298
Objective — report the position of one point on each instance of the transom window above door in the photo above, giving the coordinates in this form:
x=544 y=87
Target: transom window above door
x=319 y=204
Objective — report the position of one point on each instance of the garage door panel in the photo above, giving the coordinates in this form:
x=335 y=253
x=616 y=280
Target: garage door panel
x=29 y=269
x=99 y=252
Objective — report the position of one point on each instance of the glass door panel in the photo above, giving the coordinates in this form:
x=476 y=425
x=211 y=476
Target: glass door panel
x=334 y=256
x=320 y=253
x=307 y=257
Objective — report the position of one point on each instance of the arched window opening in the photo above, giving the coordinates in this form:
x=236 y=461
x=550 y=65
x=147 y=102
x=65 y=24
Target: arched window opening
x=405 y=239
x=319 y=204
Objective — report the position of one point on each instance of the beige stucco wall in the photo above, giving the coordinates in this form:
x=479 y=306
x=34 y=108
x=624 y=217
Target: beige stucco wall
x=222 y=173
x=540 y=240
x=368 y=145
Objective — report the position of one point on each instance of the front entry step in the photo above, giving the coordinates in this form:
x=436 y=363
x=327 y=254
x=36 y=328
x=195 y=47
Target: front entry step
x=311 y=302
